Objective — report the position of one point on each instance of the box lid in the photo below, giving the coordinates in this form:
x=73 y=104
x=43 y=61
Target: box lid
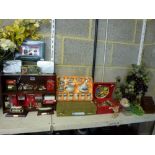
x=103 y=91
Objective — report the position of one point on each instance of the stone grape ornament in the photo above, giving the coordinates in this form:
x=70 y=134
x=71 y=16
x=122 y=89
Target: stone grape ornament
x=137 y=82
x=135 y=85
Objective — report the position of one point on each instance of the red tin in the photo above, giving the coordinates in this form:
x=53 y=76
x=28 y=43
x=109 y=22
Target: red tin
x=103 y=92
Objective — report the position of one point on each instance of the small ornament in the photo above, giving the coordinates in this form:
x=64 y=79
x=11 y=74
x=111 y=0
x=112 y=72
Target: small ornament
x=84 y=87
x=125 y=103
x=101 y=91
x=70 y=88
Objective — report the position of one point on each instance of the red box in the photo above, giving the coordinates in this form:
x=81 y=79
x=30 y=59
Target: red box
x=103 y=92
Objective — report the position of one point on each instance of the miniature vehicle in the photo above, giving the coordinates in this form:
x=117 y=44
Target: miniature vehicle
x=16 y=109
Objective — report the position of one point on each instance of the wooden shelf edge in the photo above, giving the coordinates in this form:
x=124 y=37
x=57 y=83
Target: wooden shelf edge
x=28 y=74
x=28 y=92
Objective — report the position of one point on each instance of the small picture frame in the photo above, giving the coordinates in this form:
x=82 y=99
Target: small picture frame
x=31 y=50
x=24 y=70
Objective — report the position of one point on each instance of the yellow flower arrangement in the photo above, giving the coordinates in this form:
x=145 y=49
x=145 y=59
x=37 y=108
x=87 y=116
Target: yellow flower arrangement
x=20 y=30
x=12 y=36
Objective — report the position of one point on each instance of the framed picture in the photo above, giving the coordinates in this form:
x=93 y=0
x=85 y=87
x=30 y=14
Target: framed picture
x=31 y=50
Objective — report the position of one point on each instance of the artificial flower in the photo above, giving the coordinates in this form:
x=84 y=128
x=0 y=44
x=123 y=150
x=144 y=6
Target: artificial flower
x=6 y=44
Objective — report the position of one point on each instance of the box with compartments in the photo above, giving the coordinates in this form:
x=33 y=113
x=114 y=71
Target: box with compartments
x=74 y=96
x=74 y=88
x=24 y=93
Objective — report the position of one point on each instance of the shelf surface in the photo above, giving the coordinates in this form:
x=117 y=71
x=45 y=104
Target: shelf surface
x=31 y=123
x=34 y=123
x=79 y=122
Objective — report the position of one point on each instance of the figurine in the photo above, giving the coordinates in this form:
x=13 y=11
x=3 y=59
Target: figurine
x=125 y=103
x=50 y=85
x=61 y=88
x=13 y=100
x=70 y=88
x=115 y=110
x=84 y=87
x=30 y=101
x=42 y=87
x=27 y=87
